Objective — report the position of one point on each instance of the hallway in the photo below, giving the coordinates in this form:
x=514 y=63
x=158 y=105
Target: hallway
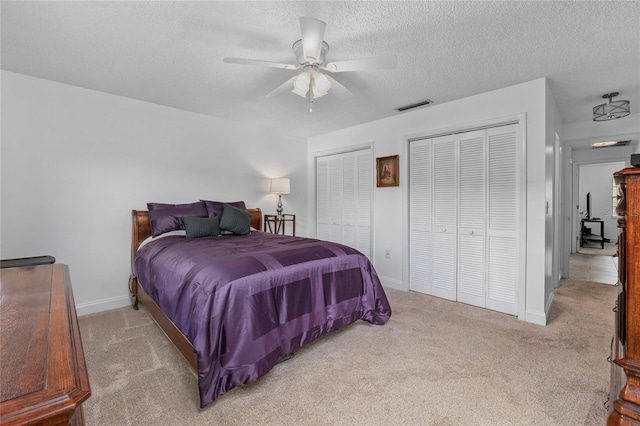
x=592 y=267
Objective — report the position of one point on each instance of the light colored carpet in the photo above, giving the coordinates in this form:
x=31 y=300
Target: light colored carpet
x=435 y=362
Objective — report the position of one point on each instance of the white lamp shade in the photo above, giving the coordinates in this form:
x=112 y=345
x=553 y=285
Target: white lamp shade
x=302 y=82
x=280 y=186
x=302 y=93
x=321 y=84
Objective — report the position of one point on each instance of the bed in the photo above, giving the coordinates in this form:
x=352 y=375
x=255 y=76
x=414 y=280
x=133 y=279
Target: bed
x=235 y=305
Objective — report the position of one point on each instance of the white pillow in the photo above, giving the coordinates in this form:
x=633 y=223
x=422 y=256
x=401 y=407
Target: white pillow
x=180 y=232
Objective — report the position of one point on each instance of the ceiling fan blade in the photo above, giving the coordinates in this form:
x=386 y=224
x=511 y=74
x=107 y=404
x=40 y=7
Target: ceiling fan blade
x=261 y=63
x=338 y=90
x=312 y=36
x=375 y=63
x=284 y=87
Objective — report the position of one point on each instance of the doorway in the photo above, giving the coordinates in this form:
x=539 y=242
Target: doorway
x=597 y=233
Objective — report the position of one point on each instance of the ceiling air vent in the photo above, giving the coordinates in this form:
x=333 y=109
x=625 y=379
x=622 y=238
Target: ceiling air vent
x=609 y=144
x=419 y=104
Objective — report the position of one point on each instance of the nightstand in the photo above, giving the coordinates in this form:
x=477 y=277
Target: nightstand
x=276 y=225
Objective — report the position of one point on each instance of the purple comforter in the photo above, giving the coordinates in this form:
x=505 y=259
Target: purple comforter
x=243 y=301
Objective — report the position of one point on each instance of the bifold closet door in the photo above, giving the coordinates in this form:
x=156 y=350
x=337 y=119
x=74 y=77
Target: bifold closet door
x=444 y=253
x=322 y=199
x=329 y=198
x=349 y=202
x=364 y=198
x=335 y=199
x=502 y=223
x=420 y=180
x=344 y=189
x=357 y=183
x=463 y=220
x=472 y=219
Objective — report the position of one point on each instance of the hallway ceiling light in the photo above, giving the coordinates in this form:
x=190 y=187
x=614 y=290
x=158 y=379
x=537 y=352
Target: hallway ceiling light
x=603 y=144
x=610 y=143
x=612 y=109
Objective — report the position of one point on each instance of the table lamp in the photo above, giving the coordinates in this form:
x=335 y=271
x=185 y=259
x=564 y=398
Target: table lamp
x=280 y=186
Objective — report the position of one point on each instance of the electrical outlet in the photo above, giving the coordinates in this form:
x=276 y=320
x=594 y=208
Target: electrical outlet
x=387 y=254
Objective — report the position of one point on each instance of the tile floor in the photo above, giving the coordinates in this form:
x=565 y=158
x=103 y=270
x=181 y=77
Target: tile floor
x=600 y=269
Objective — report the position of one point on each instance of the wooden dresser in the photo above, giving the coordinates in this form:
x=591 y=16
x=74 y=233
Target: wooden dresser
x=42 y=368
x=625 y=375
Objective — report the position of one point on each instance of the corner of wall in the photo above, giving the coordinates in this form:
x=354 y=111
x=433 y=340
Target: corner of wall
x=541 y=318
x=393 y=283
x=538 y=318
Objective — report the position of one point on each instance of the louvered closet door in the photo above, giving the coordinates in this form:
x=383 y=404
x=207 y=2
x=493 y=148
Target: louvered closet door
x=502 y=223
x=364 y=197
x=420 y=181
x=444 y=217
x=349 y=201
x=344 y=191
x=322 y=199
x=471 y=219
x=335 y=200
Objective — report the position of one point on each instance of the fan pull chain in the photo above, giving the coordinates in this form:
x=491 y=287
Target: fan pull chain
x=310 y=98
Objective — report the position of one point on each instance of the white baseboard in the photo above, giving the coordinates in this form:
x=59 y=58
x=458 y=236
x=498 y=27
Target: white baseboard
x=392 y=283
x=537 y=317
x=540 y=318
x=548 y=306
x=102 y=305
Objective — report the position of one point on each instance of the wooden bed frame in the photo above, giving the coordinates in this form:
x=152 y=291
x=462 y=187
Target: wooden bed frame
x=141 y=230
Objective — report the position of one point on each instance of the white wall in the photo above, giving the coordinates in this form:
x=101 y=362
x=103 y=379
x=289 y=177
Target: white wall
x=553 y=259
x=597 y=179
x=75 y=162
x=389 y=137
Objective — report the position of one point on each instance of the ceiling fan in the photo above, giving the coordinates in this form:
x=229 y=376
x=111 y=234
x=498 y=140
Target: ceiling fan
x=311 y=50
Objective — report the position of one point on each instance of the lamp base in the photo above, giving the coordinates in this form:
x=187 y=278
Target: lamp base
x=279 y=209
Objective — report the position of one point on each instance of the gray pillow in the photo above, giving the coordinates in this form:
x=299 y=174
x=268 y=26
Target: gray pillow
x=214 y=208
x=235 y=220
x=197 y=227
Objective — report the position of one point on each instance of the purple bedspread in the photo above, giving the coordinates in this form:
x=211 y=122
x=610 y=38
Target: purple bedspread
x=243 y=301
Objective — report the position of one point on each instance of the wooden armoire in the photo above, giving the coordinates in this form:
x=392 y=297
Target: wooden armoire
x=625 y=375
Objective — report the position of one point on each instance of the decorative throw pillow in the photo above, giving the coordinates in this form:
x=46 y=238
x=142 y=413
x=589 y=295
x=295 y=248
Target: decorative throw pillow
x=197 y=227
x=235 y=220
x=214 y=208
x=167 y=217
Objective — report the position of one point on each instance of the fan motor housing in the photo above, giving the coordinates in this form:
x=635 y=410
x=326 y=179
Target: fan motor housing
x=297 y=50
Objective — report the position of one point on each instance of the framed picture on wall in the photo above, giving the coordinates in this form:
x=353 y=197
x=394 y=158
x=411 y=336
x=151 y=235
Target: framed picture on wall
x=388 y=171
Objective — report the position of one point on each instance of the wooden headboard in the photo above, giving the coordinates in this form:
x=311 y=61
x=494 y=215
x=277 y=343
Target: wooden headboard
x=141 y=229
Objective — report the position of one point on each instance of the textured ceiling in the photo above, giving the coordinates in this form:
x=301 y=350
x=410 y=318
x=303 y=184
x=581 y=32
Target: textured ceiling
x=170 y=53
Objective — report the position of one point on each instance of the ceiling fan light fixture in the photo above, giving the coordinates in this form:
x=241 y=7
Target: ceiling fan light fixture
x=320 y=85
x=612 y=109
x=319 y=94
x=301 y=84
x=310 y=52
x=302 y=81
x=301 y=93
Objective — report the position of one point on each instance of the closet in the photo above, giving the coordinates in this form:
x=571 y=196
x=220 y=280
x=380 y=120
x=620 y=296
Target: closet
x=463 y=239
x=344 y=189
